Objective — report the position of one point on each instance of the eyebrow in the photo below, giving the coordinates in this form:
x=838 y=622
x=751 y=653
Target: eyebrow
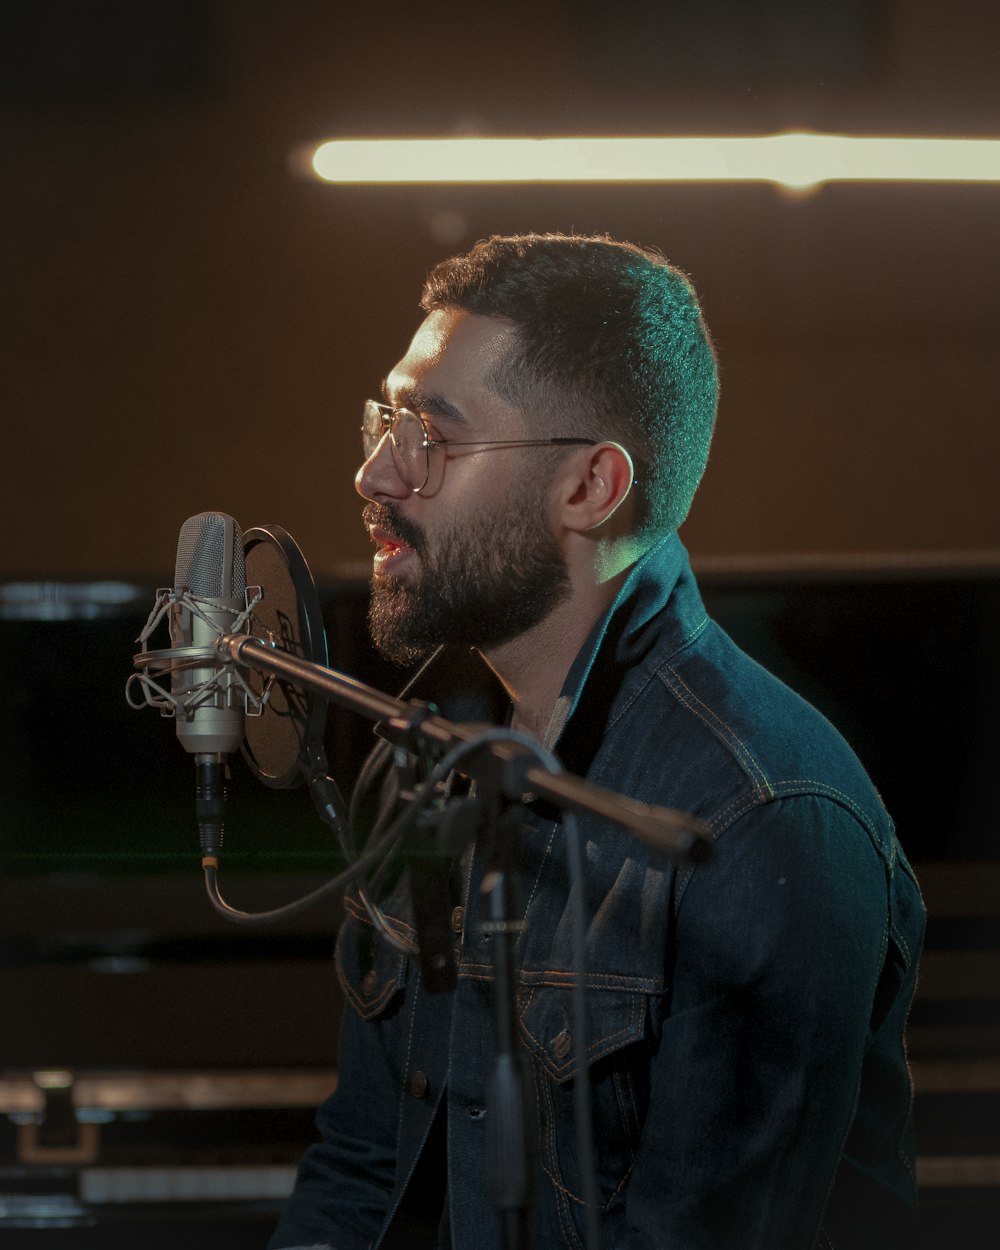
x=420 y=401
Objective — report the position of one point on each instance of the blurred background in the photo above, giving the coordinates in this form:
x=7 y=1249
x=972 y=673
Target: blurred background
x=190 y=324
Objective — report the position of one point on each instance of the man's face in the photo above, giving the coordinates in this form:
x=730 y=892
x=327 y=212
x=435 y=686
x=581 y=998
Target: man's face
x=472 y=559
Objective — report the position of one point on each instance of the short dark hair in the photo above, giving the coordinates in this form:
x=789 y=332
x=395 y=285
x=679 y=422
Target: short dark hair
x=611 y=343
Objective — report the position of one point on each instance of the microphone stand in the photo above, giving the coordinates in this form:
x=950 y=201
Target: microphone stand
x=675 y=834
x=510 y=1108
x=504 y=772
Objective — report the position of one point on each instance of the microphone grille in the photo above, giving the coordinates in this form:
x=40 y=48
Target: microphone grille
x=210 y=560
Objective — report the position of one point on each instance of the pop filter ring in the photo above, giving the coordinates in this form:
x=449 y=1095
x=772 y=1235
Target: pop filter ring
x=296 y=717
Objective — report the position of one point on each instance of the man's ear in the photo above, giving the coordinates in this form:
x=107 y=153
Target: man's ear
x=597 y=482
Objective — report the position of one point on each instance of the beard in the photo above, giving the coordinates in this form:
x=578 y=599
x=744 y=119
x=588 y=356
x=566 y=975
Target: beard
x=482 y=582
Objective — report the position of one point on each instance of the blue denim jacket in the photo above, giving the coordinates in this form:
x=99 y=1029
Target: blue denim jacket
x=749 y=1081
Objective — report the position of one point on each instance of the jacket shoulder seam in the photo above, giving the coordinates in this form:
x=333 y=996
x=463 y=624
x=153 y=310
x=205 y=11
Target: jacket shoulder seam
x=724 y=732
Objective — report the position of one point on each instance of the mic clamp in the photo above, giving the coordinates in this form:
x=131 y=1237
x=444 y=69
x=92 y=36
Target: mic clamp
x=167 y=661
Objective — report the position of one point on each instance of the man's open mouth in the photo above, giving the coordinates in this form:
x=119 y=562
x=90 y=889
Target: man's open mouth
x=390 y=548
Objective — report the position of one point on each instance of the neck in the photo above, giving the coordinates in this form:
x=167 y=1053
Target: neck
x=533 y=666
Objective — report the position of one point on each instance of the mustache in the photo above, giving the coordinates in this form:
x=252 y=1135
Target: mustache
x=386 y=517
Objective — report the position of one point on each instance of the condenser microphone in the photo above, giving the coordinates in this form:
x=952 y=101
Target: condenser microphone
x=209 y=594
x=210 y=584
x=217 y=708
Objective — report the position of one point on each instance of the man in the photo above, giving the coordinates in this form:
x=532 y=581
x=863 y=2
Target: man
x=540 y=444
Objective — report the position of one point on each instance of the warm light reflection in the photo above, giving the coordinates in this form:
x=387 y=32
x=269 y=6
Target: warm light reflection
x=792 y=160
x=53 y=1079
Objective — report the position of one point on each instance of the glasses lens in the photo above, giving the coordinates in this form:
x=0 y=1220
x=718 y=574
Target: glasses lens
x=409 y=443
x=372 y=427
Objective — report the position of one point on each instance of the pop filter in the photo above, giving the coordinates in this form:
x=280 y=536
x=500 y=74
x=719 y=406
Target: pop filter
x=284 y=746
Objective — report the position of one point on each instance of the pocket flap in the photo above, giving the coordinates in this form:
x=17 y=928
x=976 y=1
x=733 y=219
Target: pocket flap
x=616 y=1018
x=370 y=972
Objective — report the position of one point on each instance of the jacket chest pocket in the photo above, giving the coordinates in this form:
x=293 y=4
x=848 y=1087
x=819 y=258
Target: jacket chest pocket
x=370 y=972
x=617 y=1052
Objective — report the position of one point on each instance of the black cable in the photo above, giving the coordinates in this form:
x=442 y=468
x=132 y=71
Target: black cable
x=372 y=853
x=582 y=1102
x=381 y=844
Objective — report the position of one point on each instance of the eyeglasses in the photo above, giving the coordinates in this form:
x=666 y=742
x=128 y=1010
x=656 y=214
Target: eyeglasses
x=411 y=444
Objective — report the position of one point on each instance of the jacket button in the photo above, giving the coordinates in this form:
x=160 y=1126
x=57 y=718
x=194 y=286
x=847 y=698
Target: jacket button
x=458 y=920
x=418 y=1084
x=560 y=1047
x=369 y=983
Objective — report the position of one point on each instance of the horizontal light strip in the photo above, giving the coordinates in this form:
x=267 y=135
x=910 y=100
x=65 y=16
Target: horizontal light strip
x=186 y=1184
x=793 y=160
x=958 y=1171
x=188 y=1090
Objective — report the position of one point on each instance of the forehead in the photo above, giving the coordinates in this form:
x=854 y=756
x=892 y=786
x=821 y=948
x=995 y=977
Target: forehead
x=452 y=356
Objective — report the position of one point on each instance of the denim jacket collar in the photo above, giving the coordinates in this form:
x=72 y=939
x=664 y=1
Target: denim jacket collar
x=464 y=689
x=609 y=666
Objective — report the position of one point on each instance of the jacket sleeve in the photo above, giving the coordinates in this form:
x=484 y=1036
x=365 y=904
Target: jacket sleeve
x=345 y=1179
x=789 y=990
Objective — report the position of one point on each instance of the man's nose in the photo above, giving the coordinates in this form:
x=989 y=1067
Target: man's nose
x=378 y=477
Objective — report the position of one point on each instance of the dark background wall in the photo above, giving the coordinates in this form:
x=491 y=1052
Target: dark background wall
x=186 y=325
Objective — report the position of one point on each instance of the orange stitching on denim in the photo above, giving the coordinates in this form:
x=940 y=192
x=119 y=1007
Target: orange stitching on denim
x=640 y=689
x=597 y=1047
x=541 y=868
x=366 y=1008
x=593 y=980
x=577 y=1199
x=715 y=724
x=795 y=788
x=628 y=1112
x=823 y=790
x=621 y=1185
x=735 y=810
x=550 y=1162
x=900 y=939
x=409 y=1050
x=553 y=1156
x=561 y=1187
x=561 y=980
x=357 y=912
